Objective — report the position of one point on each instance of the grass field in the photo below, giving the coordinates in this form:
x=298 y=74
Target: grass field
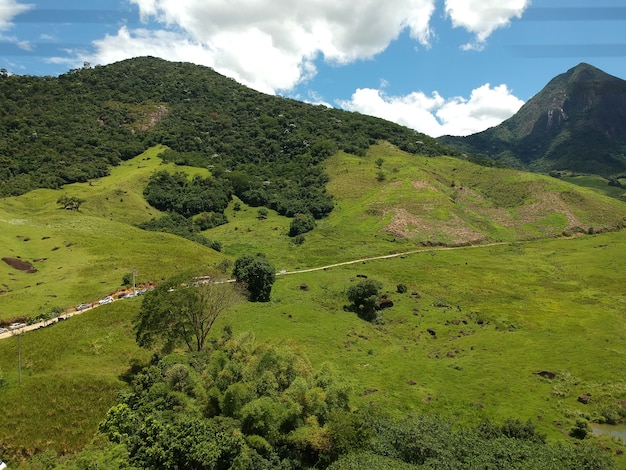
x=598 y=184
x=499 y=313
x=82 y=256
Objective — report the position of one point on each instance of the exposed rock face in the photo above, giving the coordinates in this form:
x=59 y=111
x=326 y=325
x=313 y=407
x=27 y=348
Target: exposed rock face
x=577 y=122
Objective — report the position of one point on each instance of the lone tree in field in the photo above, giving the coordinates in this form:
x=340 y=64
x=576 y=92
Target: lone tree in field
x=72 y=203
x=363 y=297
x=257 y=275
x=178 y=312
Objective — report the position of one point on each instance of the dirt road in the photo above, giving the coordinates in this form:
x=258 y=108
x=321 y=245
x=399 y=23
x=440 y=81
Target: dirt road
x=71 y=312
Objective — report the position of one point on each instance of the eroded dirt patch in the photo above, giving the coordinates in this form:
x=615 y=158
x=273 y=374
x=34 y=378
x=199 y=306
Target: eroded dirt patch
x=20 y=264
x=404 y=224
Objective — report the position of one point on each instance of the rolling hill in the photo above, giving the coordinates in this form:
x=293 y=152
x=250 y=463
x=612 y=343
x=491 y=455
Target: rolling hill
x=502 y=311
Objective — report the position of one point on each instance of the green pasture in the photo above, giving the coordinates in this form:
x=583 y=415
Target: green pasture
x=422 y=201
x=598 y=184
x=509 y=311
x=82 y=256
x=528 y=300
x=71 y=373
x=500 y=314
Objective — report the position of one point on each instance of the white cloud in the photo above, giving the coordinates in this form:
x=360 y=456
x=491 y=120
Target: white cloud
x=8 y=10
x=268 y=45
x=483 y=17
x=272 y=45
x=436 y=116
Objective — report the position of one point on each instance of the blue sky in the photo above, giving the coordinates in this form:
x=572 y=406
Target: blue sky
x=438 y=66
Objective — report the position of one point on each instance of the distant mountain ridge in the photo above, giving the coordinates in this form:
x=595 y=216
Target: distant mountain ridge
x=577 y=123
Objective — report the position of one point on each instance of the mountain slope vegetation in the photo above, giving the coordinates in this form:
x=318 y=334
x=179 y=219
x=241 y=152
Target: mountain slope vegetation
x=422 y=201
x=71 y=128
x=576 y=123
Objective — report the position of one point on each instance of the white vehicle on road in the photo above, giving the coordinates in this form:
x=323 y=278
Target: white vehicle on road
x=106 y=300
x=17 y=326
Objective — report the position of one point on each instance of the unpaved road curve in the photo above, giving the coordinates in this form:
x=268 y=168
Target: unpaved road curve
x=73 y=312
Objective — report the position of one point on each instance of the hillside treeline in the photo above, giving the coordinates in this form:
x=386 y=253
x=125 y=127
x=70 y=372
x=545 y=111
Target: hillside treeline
x=71 y=128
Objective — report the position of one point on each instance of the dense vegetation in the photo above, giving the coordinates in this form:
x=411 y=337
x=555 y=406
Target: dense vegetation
x=73 y=128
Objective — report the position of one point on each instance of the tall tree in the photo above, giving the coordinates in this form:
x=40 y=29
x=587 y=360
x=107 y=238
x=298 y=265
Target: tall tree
x=257 y=274
x=181 y=311
x=363 y=297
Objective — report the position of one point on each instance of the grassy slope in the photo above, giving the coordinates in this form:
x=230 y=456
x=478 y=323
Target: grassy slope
x=422 y=201
x=598 y=184
x=82 y=256
x=553 y=305
x=71 y=373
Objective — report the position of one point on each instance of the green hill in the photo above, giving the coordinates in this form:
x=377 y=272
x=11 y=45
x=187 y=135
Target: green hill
x=82 y=255
x=545 y=305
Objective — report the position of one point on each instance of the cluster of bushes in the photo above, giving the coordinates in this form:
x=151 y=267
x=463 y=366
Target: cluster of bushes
x=176 y=224
x=238 y=405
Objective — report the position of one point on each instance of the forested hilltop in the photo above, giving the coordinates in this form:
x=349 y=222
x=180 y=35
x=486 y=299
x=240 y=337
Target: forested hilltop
x=71 y=128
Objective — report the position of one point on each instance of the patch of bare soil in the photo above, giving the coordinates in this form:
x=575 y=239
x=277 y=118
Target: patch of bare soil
x=423 y=185
x=19 y=264
x=152 y=119
x=548 y=203
x=406 y=225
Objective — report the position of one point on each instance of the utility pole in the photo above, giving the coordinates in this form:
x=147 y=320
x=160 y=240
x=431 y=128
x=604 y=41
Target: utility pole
x=134 y=284
x=19 y=357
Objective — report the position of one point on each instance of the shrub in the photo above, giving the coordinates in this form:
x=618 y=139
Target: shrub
x=363 y=297
x=301 y=223
x=299 y=239
x=258 y=275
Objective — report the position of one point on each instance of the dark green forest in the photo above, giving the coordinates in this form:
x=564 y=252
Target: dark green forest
x=71 y=128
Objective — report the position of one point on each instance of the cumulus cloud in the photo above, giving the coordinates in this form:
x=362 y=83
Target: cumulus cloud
x=434 y=115
x=483 y=17
x=268 y=45
x=272 y=45
x=8 y=10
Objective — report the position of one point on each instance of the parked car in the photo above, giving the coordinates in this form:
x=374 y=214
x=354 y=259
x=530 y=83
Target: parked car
x=3 y=330
x=83 y=307
x=2 y=465
x=17 y=326
x=106 y=300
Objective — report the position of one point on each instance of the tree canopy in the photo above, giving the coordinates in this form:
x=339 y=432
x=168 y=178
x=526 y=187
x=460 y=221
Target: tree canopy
x=363 y=297
x=257 y=274
x=182 y=311
x=240 y=404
